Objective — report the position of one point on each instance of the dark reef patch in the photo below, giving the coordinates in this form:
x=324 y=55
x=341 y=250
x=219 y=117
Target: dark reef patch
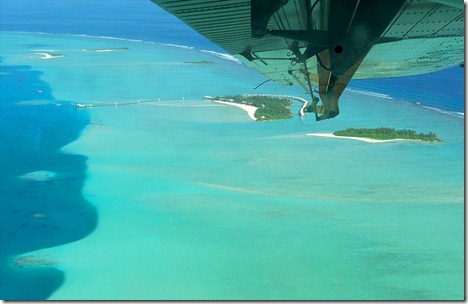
x=37 y=213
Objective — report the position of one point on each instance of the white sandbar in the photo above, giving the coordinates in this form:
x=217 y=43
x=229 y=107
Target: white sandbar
x=249 y=109
x=369 y=140
x=50 y=56
x=38 y=176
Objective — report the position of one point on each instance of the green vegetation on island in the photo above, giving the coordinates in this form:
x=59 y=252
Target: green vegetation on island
x=387 y=133
x=269 y=108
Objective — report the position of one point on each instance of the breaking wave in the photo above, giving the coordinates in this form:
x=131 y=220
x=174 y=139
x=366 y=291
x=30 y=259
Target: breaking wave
x=213 y=53
x=222 y=56
x=369 y=93
x=178 y=46
x=451 y=113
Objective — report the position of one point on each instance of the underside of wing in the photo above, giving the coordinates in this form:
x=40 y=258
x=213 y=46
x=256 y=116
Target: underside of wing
x=432 y=39
x=325 y=43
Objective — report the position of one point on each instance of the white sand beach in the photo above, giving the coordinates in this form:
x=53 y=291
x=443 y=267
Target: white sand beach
x=368 y=140
x=249 y=109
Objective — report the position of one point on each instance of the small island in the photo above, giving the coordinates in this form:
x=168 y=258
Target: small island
x=384 y=134
x=267 y=107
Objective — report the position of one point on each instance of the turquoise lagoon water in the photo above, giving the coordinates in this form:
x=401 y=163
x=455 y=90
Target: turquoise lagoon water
x=186 y=199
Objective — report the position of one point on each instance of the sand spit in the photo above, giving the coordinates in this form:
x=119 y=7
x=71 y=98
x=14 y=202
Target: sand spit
x=368 y=140
x=233 y=189
x=249 y=109
x=50 y=56
x=38 y=176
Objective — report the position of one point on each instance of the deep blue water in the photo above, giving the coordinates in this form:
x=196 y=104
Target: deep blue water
x=37 y=214
x=443 y=90
x=33 y=135
x=116 y=18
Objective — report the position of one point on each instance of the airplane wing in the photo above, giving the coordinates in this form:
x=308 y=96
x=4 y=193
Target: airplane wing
x=322 y=44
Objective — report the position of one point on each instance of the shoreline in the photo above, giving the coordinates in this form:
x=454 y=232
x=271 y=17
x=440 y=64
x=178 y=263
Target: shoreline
x=368 y=140
x=249 y=109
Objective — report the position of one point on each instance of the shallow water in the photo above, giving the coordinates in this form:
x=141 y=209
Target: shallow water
x=196 y=201
x=40 y=187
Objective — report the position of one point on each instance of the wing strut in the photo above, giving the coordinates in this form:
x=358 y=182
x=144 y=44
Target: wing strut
x=311 y=92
